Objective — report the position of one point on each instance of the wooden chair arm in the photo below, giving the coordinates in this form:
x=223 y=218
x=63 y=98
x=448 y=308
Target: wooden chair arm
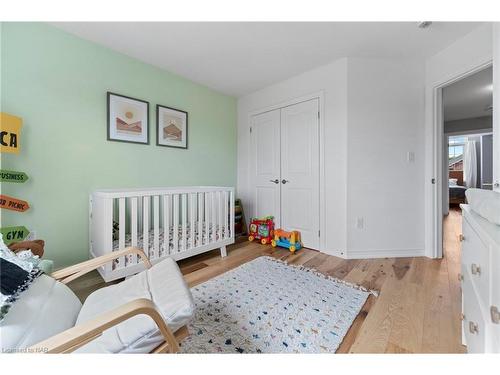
x=73 y=338
x=71 y=273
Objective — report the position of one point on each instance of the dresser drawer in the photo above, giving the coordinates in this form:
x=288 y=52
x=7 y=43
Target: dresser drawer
x=473 y=322
x=476 y=260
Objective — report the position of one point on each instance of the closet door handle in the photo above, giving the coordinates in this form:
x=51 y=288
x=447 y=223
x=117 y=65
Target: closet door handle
x=475 y=269
x=495 y=315
x=473 y=328
x=275 y=181
x=284 y=181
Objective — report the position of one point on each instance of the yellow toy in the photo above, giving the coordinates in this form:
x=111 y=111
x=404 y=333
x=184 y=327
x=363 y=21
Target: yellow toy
x=289 y=240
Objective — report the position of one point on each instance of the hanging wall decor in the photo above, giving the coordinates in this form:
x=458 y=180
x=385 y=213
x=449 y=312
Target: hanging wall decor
x=14 y=234
x=10 y=133
x=13 y=204
x=128 y=119
x=171 y=127
x=13 y=176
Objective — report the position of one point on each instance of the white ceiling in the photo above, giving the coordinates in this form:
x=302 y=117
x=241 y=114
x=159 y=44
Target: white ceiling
x=469 y=97
x=238 y=58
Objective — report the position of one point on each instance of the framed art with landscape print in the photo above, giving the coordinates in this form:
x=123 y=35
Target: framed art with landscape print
x=128 y=119
x=172 y=127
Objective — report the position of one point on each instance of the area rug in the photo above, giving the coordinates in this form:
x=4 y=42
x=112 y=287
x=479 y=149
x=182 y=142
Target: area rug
x=268 y=306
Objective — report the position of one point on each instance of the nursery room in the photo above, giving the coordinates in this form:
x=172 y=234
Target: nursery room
x=248 y=187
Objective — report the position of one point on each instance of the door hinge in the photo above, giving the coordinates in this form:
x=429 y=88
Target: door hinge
x=250 y=129
x=319 y=233
x=318 y=114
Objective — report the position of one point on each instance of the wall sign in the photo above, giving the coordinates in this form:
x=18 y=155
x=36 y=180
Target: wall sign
x=14 y=234
x=13 y=204
x=10 y=133
x=13 y=176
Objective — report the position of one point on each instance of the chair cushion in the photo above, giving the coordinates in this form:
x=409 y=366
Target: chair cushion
x=45 y=309
x=164 y=285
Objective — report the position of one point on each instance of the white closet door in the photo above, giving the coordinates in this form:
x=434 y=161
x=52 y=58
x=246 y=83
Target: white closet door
x=265 y=164
x=300 y=170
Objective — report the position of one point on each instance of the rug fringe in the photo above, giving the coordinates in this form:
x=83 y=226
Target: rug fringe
x=328 y=277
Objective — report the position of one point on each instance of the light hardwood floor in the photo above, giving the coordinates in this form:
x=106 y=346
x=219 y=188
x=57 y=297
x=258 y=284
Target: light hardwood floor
x=417 y=311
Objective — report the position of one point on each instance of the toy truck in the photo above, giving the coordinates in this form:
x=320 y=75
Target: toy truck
x=262 y=229
x=289 y=240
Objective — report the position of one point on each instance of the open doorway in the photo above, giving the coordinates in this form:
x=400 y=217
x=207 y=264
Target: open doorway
x=467 y=148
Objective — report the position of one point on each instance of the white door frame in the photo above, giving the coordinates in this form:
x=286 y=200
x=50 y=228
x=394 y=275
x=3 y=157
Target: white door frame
x=322 y=206
x=437 y=157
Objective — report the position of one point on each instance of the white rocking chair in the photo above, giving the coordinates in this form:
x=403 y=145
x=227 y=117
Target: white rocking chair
x=146 y=313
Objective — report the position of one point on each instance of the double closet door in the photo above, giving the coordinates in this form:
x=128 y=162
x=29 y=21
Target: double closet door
x=284 y=168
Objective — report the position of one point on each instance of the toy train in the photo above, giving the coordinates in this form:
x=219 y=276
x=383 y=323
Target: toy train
x=289 y=240
x=262 y=229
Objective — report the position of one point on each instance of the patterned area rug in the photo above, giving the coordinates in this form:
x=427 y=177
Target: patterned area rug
x=267 y=306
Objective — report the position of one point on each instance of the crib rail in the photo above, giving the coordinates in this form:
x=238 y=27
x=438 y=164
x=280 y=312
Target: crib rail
x=177 y=222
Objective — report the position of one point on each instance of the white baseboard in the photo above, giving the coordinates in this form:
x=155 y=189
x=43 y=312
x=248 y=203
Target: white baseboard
x=384 y=253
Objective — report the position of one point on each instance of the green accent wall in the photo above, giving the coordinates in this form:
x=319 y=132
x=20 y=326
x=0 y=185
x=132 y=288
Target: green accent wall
x=57 y=83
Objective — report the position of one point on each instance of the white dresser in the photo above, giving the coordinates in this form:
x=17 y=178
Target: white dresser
x=480 y=283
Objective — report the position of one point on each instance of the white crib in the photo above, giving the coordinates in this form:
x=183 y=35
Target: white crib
x=178 y=222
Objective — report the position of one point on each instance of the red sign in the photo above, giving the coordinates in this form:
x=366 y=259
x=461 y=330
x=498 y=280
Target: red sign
x=13 y=203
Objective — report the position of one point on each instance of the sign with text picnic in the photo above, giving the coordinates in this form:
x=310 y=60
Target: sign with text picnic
x=10 y=133
x=13 y=204
x=14 y=234
x=13 y=176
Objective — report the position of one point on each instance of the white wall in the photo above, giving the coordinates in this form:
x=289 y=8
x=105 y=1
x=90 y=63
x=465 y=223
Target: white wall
x=331 y=80
x=384 y=188
x=496 y=105
x=373 y=115
x=384 y=109
x=466 y=54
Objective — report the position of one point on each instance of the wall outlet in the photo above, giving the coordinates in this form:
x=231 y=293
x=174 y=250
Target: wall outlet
x=360 y=223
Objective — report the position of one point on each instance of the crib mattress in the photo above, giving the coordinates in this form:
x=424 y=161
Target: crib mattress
x=169 y=248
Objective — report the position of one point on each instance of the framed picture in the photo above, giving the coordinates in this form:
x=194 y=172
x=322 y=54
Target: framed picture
x=128 y=119
x=172 y=127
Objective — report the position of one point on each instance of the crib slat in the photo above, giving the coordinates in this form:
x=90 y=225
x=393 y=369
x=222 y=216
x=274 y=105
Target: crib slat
x=200 y=218
x=214 y=215
x=231 y=213
x=145 y=221
x=219 y=215
x=226 y=215
x=207 y=218
x=176 y=223
x=192 y=212
x=133 y=226
x=166 y=224
x=156 y=228
x=120 y=262
x=121 y=223
x=184 y=221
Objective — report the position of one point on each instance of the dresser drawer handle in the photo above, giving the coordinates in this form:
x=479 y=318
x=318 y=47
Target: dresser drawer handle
x=473 y=328
x=461 y=237
x=475 y=269
x=495 y=315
